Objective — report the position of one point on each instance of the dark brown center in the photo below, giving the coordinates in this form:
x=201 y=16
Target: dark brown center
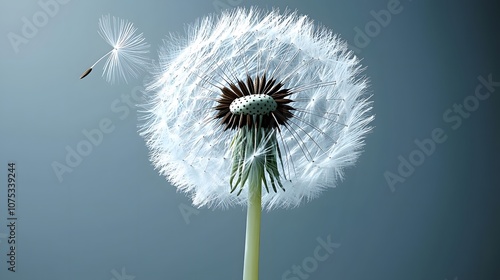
x=259 y=85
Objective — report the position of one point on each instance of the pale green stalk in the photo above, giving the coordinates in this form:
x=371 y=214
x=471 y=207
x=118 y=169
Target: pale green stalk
x=252 y=241
x=252 y=173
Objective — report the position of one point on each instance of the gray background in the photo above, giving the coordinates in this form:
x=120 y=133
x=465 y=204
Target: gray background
x=114 y=217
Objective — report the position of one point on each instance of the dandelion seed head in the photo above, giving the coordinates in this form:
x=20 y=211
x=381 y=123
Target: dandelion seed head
x=256 y=91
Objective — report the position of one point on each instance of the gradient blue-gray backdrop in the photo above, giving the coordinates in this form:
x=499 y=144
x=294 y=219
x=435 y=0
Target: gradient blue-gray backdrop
x=113 y=217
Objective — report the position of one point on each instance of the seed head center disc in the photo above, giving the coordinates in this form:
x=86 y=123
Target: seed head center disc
x=254 y=104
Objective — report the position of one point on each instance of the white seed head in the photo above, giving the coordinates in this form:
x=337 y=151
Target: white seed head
x=318 y=138
x=255 y=104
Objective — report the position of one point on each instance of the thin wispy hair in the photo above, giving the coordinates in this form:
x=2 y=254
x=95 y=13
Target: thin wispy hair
x=129 y=55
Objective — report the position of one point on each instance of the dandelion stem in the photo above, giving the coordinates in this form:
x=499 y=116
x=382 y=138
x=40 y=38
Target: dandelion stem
x=252 y=241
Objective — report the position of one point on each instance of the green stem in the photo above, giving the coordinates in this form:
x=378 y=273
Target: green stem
x=252 y=241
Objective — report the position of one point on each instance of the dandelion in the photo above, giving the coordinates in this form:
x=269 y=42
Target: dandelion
x=258 y=109
x=128 y=56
